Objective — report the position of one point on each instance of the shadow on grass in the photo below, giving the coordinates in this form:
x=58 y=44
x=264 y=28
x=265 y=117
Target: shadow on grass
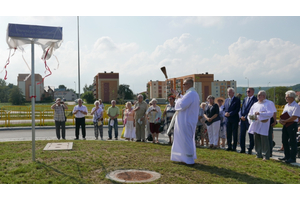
x=48 y=168
x=227 y=173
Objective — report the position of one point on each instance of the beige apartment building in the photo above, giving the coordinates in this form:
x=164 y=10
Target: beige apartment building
x=106 y=86
x=203 y=83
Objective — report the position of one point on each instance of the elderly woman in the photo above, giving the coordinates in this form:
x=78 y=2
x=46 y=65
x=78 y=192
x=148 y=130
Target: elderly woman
x=129 y=122
x=97 y=113
x=212 y=117
x=222 y=132
x=154 y=114
x=168 y=114
x=203 y=128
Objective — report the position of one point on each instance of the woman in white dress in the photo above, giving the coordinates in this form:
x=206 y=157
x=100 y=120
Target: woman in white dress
x=129 y=122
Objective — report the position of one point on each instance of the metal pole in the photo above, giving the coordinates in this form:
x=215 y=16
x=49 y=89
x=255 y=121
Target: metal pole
x=33 y=101
x=78 y=58
x=75 y=87
x=274 y=94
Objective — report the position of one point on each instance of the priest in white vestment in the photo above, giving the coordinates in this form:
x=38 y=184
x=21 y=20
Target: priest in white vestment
x=259 y=117
x=187 y=109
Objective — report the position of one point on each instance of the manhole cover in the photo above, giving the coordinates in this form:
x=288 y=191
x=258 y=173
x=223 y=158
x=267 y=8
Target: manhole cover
x=133 y=176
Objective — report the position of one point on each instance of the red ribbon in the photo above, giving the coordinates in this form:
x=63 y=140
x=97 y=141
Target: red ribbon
x=46 y=66
x=33 y=97
x=8 y=61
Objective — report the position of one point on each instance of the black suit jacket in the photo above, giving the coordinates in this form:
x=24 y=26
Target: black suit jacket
x=233 y=109
x=246 y=108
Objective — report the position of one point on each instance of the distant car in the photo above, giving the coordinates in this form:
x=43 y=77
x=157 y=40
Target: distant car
x=64 y=99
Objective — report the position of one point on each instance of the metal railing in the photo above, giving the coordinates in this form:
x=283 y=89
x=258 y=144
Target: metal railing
x=12 y=115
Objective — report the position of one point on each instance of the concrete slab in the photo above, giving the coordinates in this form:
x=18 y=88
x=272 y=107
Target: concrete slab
x=59 y=146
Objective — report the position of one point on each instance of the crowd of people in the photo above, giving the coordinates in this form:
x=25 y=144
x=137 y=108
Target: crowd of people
x=218 y=122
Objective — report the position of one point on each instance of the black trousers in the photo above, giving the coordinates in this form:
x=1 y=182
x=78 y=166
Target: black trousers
x=58 y=125
x=79 y=122
x=289 y=141
x=232 y=130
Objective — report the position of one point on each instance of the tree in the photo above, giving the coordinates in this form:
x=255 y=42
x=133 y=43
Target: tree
x=88 y=97
x=4 y=91
x=16 y=97
x=88 y=88
x=279 y=94
x=124 y=92
x=62 y=87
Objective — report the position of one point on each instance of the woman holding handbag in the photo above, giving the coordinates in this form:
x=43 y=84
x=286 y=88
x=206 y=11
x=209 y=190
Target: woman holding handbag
x=129 y=122
x=154 y=116
x=97 y=113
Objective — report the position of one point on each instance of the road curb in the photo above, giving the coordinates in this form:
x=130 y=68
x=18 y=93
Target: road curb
x=45 y=127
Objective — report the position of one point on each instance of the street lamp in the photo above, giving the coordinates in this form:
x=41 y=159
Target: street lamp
x=248 y=81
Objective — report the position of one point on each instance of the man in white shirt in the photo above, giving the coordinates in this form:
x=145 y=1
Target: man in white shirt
x=187 y=108
x=80 y=112
x=259 y=118
x=289 y=130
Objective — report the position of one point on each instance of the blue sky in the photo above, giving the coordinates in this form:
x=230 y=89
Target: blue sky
x=262 y=48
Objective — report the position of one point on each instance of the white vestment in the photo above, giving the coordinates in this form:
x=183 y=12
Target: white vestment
x=266 y=111
x=184 y=148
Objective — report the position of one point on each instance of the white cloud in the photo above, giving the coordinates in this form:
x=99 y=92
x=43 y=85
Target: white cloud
x=261 y=61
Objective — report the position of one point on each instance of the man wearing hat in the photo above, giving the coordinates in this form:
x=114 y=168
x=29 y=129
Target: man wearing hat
x=247 y=104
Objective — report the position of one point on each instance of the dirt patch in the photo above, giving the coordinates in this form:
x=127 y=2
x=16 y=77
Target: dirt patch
x=133 y=176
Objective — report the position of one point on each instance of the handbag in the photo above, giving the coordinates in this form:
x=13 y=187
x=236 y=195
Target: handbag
x=161 y=128
x=150 y=138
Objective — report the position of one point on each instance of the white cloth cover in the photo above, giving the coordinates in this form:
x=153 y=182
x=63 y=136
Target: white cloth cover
x=18 y=43
x=184 y=148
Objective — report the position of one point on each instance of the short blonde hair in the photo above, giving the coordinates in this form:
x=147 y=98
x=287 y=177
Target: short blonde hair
x=128 y=103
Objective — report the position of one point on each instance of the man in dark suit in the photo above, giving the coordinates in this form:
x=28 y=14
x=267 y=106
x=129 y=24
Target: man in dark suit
x=247 y=103
x=232 y=107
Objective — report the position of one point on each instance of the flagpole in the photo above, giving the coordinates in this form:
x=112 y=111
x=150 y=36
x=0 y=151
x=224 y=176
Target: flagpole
x=78 y=58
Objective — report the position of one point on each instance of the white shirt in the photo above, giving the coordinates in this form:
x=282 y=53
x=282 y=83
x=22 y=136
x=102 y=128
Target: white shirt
x=293 y=110
x=80 y=108
x=266 y=111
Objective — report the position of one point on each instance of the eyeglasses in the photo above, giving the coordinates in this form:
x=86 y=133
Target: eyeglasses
x=248 y=91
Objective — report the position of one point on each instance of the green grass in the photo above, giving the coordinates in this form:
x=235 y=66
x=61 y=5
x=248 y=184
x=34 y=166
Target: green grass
x=90 y=161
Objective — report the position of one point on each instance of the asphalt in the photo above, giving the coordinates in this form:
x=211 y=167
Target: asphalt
x=162 y=139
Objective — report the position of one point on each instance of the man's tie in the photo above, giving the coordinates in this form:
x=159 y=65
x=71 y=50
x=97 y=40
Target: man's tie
x=248 y=100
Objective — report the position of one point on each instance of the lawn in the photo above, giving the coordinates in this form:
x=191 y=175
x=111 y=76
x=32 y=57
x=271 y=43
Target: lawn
x=90 y=161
